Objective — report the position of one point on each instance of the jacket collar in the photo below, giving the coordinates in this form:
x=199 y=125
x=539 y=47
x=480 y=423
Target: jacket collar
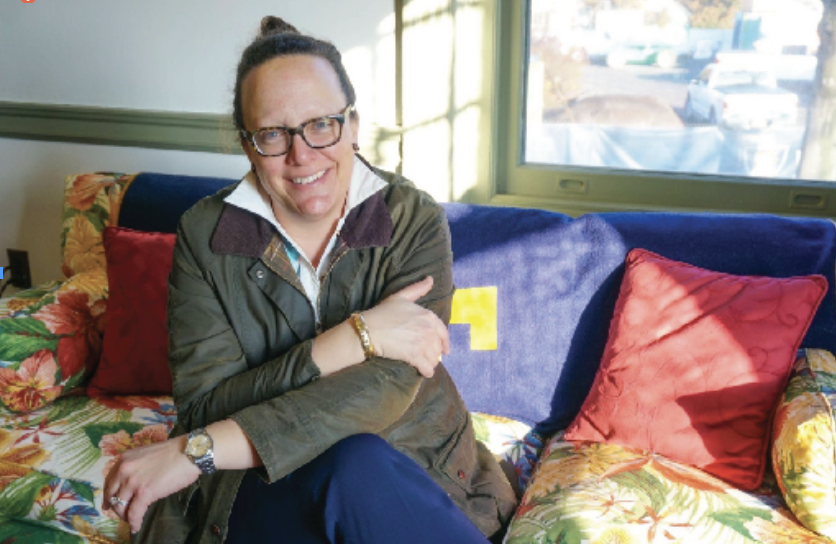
x=243 y=230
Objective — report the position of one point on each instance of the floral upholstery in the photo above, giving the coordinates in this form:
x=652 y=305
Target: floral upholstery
x=79 y=438
x=602 y=493
x=91 y=203
x=511 y=441
x=804 y=447
x=53 y=461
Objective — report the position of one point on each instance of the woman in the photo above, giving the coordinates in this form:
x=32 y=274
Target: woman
x=301 y=419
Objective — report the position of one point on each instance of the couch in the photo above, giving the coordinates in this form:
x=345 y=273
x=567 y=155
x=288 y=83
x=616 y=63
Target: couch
x=533 y=318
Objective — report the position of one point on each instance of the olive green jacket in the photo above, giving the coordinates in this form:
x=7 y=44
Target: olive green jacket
x=241 y=331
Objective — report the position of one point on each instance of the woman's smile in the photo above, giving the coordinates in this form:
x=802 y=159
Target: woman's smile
x=309 y=179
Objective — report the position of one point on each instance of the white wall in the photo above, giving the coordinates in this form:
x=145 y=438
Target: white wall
x=176 y=55
x=151 y=55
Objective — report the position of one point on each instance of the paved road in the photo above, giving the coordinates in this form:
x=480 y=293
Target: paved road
x=670 y=86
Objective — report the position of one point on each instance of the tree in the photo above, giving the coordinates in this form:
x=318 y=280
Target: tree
x=817 y=158
x=712 y=13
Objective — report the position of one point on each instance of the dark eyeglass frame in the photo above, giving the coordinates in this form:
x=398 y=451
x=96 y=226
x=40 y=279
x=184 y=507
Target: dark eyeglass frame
x=300 y=130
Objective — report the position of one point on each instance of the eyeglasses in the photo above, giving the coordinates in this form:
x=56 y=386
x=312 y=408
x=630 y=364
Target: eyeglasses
x=317 y=133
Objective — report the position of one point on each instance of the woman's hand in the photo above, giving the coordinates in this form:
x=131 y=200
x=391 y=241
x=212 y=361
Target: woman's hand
x=401 y=329
x=144 y=475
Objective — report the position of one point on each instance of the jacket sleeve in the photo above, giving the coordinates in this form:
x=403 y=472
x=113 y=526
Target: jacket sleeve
x=292 y=429
x=211 y=378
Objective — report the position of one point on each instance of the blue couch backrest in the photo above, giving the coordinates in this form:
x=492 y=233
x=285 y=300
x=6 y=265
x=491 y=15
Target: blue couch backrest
x=540 y=287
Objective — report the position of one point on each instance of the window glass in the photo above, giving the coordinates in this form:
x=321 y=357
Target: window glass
x=717 y=87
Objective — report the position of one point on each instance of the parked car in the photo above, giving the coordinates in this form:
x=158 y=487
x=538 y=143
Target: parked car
x=740 y=98
x=660 y=55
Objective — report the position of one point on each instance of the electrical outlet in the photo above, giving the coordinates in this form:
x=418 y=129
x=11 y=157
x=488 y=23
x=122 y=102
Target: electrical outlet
x=19 y=275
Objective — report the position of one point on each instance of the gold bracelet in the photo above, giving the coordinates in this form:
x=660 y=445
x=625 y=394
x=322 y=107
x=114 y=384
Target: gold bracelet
x=363 y=333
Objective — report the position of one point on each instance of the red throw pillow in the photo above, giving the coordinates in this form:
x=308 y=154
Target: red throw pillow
x=695 y=363
x=135 y=352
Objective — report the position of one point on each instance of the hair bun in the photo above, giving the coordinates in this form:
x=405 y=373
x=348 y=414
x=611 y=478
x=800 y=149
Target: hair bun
x=271 y=25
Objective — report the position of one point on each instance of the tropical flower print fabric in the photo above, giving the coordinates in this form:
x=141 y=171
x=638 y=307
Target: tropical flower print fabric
x=53 y=463
x=91 y=203
x=49 y=347
x=804 y=447
x=499 y=434
x=585 y=492
x=509 y=440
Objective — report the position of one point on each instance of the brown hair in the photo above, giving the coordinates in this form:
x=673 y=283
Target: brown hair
x=278 y=38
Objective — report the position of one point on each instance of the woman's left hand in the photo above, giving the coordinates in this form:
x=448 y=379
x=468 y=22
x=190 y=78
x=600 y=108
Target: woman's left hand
x=144 y=475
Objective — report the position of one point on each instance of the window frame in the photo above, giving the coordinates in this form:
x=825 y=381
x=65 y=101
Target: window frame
x=576 y=190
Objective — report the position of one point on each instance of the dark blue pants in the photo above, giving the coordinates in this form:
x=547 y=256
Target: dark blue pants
x=360 y=491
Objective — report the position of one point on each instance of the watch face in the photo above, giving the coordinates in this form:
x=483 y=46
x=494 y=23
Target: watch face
x=198 y=446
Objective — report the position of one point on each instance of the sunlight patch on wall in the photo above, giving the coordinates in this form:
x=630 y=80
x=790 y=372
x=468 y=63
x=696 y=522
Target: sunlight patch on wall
x=444 y=46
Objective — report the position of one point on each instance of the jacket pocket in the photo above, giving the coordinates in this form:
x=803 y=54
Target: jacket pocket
x=184 y=496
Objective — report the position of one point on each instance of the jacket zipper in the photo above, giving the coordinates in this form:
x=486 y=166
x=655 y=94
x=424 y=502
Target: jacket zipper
x=321 y=285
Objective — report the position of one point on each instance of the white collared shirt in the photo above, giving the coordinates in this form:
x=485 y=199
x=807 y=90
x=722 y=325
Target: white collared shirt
x=248 y=196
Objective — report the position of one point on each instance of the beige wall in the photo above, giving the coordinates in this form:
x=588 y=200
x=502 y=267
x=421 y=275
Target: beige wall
x=151 y=55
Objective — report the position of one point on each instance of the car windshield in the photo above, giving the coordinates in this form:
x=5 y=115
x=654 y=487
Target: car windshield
x=744 y=77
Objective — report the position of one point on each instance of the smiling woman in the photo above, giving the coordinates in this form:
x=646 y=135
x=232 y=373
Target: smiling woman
x=307 y=316
x=309 y=185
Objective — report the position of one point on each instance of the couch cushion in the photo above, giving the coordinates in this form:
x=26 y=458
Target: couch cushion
x=135 y=352
x=590 y=493
x=804 y=448
x=156 y=202
x=53 y=461
x=695 y=363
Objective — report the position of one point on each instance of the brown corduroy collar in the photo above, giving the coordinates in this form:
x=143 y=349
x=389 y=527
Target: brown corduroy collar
x=240 y=232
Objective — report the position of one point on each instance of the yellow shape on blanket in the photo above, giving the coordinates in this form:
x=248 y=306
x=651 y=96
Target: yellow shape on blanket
x=477 y=307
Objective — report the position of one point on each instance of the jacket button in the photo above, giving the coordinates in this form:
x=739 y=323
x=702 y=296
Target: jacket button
x=216 y=530
x=461 y=475
x=259 y=274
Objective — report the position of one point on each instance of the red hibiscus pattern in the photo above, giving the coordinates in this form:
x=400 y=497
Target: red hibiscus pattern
x=32 y=385
x=81 y=324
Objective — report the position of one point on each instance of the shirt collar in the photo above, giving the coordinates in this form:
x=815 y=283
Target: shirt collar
x=248 y=217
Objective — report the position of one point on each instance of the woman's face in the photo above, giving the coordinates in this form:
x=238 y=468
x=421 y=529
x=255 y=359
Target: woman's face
x=306 y=185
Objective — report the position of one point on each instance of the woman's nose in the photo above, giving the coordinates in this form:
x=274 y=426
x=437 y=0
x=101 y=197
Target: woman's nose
x=300 y=152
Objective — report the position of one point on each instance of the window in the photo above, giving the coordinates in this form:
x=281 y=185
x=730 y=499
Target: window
x=661 y=104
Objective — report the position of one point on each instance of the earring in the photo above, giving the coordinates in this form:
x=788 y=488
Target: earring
x=355 y=146
x=252 y=168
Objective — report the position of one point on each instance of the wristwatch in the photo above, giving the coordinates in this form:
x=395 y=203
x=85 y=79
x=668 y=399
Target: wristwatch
x=199 y=450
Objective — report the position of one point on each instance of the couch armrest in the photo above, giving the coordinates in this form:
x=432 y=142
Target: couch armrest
x=804 y=443
x=23 y=299
x=50 y=339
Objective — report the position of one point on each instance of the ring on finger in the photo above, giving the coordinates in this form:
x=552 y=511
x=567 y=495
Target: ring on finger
x=114 y=500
